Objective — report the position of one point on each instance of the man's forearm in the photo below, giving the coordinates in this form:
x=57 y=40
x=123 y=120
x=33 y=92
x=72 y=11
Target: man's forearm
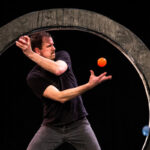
x=68 y=94
x=45 y=63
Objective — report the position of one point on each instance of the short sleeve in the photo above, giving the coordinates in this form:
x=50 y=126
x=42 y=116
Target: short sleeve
x=64 y=55
x=37 y=83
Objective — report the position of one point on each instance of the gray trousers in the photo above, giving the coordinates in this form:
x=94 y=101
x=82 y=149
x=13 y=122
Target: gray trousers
x=79 y=134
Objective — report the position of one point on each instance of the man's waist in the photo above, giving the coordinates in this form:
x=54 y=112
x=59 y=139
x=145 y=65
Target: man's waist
x=60 y=125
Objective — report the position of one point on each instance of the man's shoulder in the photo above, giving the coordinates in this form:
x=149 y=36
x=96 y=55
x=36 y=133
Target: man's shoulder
x=62 y=52
x=64 y=56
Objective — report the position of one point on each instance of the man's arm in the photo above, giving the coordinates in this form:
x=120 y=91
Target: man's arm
x=62 y=96
x=55 y=67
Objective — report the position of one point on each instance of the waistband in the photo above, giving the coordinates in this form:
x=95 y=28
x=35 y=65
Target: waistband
x=73 y=123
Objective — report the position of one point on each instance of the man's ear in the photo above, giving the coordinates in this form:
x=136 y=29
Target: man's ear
x=37 y=50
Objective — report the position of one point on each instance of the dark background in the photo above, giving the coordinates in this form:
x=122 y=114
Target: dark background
x=117 y=109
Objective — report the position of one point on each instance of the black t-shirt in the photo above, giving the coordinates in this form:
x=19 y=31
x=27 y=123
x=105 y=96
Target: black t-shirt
x=56 y=113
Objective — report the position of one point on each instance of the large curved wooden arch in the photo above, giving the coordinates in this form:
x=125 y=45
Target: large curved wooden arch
x=77 y=19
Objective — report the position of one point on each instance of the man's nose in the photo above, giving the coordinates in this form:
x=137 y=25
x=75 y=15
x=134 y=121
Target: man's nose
x=54 y=48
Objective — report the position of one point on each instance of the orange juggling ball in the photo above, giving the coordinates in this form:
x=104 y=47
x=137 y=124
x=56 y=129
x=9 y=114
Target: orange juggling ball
x=102 y=62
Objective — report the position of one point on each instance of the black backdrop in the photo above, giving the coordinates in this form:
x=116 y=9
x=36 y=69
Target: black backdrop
x=117 y=109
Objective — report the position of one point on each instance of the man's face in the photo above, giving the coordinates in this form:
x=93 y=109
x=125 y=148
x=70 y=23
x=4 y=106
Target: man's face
x=48 y=49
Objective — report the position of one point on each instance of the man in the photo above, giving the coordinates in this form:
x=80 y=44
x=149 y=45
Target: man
x=52 y=80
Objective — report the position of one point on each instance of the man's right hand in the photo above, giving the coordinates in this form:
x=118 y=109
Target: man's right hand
x=24 y=43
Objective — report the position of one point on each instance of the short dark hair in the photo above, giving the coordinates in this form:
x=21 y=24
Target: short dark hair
x=36 y=39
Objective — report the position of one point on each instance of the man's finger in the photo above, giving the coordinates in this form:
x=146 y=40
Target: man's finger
x=92 y=72
x=19 y=45
x=108 y=77
x=27 y=38
x=21 y=40
x=101 y=75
